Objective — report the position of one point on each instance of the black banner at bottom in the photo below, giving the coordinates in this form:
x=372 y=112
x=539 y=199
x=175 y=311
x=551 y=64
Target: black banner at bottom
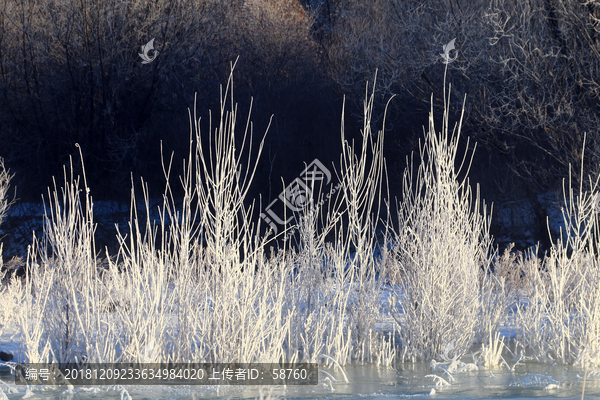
x=167 y=374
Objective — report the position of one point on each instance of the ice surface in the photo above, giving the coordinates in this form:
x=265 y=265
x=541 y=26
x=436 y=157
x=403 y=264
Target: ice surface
x=365 y=382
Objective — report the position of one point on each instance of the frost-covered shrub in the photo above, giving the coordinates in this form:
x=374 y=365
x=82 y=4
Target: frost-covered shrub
x=64 y=297
x=443 y=245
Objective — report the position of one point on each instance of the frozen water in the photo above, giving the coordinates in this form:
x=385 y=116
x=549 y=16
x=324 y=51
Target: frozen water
x=365 y=382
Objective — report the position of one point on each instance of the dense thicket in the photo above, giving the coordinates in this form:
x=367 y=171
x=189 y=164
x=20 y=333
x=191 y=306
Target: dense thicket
x=70 y=73
x=530 y=71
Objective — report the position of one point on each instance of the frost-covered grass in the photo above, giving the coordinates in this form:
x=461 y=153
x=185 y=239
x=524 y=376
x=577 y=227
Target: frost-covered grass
x=10 y=295
x=200 y=283
x=561 y=322
x=197 y=285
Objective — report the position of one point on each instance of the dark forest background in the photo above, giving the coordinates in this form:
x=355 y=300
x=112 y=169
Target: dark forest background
x=70 y=74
